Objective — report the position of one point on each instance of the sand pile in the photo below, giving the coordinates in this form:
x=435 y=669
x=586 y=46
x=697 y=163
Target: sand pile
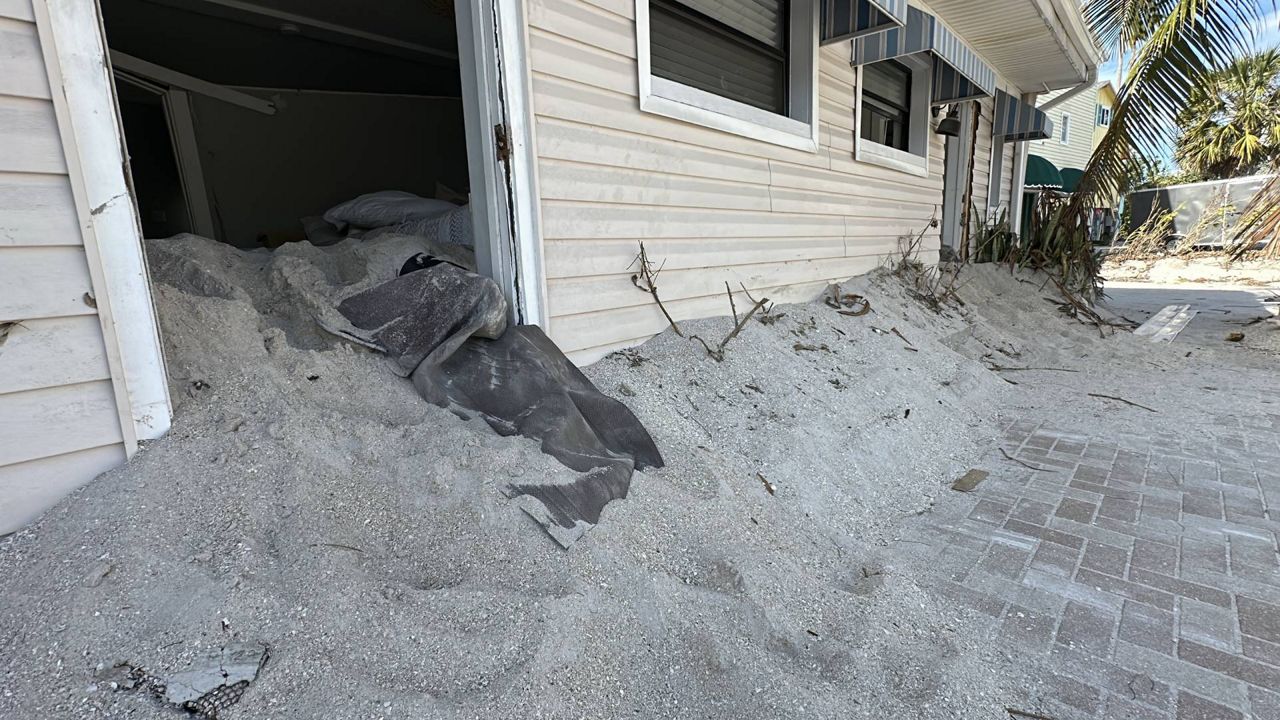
x=307 y=499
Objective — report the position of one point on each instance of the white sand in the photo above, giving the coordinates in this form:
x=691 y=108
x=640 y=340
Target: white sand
x=310 y=500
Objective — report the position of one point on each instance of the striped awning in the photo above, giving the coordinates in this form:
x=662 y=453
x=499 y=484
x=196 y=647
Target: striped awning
x=845 y=19
x=1017 y=121
x=958 y=73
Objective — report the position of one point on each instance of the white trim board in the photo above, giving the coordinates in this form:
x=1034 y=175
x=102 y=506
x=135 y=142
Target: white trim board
x=496 y=97
x=164 y=76
x=1165 y=325
x=88 y=118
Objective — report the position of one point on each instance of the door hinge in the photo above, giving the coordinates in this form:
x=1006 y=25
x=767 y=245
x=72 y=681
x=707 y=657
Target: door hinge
x=500 y=143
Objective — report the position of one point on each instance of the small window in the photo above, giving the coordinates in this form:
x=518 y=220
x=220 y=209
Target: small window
x=746 y=67
x=733 y=48
x=1104 y=116
x=1064 y=134
x=886 y=105
x=892 y=114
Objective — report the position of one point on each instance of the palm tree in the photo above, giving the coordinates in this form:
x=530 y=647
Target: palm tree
x=1231 y=125
x=1177 y=46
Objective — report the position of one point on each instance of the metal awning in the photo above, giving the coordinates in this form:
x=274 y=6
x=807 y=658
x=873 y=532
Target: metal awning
x=1017 y=121
x=1070 y=178
x=846 y=19
x=958 y=73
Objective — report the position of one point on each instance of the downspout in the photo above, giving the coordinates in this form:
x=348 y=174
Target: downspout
x=1088 y=83
x=1020 y=152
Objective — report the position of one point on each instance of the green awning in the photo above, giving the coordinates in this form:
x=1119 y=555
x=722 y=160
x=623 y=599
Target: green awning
x=1042 y=174
x=1070 y=178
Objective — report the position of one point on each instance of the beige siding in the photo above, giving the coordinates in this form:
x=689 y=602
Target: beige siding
x=1083 y=112
x=711 y=206
x=58 y=414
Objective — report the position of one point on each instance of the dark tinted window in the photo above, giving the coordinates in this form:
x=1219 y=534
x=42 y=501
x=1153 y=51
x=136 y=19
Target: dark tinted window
x=886 y=104
x=734 y=48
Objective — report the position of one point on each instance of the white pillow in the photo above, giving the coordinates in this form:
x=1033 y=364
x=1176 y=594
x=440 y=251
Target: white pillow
x=388 y=207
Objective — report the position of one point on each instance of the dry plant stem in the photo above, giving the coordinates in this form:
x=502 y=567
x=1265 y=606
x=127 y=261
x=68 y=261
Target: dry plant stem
x=717 y=353
x=733 y=306
x=1001 y=368
x=1025 y=714
x=1011 y=458
x=1120 y=399
x=650 y=278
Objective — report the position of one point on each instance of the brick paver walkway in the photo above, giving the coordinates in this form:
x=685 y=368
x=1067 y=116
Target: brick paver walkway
x=1143 y=571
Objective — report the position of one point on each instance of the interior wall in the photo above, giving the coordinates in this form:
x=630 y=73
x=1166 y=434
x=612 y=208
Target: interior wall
x=264 y=172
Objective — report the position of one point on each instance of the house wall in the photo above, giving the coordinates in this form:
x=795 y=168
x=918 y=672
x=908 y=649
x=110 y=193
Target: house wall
x=1106 y=98
x=1083 y=111
x=711 y=207
x=59 y=420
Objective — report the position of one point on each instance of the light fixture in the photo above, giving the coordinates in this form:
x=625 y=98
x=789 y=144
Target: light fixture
x=950 y=125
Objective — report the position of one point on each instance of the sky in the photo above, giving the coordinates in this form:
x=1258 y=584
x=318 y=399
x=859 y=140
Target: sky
x=1267 y=37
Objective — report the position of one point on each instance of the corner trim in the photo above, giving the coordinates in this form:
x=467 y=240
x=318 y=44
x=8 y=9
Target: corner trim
x=74 y=47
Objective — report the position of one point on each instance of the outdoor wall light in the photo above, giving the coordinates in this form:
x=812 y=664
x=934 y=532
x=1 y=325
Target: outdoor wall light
x=950 y=125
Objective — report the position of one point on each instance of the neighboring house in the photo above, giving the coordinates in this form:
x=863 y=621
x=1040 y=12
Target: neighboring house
x=1079 y=124
x=777 y=144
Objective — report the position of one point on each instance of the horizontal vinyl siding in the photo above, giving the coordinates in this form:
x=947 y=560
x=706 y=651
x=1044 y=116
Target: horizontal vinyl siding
x=714 y=207
x=1083 y=111
x=58 y=414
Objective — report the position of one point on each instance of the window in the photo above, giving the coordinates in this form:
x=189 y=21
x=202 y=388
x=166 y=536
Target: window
x=1104 y=116
x=742 y=66
x=892 y=114
x=707 y=45
x=1064 y=134
x=886 y=105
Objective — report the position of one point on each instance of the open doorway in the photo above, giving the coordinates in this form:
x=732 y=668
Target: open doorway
x=248 y=122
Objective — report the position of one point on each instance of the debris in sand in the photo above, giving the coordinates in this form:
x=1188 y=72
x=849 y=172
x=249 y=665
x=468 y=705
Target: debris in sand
x=1165 y=325
x=522 y=384
x=847 y=304
x=647 y=280
x=1235 y=337
x=1120 y=399
x=1024 y=714
x=903 y=338
x=768 y=486
x=423 y=315
x=806 y=347
x=212 y=685
x=969 y=481
x=98 y=572
x=1028 y=465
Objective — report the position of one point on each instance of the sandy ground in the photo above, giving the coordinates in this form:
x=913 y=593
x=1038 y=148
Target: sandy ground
x=307 y=499
x=1203 y=269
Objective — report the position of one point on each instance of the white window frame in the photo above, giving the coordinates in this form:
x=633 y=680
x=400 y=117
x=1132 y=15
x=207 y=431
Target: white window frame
x=798 y=130
x=1064 y=134
x=913 y=162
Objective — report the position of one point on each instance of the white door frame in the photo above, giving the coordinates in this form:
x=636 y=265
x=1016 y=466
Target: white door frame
x=74 y=47
x=186 y=154
x=501 y=157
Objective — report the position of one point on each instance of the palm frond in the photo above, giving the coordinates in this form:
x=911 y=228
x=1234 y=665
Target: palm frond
x=1185 y=41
